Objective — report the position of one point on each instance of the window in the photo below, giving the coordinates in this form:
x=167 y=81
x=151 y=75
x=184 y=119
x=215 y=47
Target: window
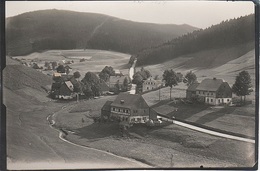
x=228 y=100
x=219 y=100
x=113 y=109
x=211 y=100
x=139 y=119
x=203 y=92
x=211 y=93
x=147 y=88
x=124 y=110
x=199 y=92
x=207 y=99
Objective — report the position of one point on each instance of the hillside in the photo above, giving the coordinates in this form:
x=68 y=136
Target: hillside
x=60 y=29
x=24 y=83
x=235 y=36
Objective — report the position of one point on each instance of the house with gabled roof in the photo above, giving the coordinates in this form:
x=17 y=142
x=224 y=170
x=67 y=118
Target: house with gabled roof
x=214 y=91
x=191 y=90
x=129 y=109
x=66 y=90
x=151 y=84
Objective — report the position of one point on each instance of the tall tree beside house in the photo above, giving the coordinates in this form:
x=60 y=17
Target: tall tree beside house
x=104 y=76
x=60 y=69
x=171 y=79
x=125 y=84
x=86 y=89
x=242 y=85
x=76 y=74
x=146 y=74
x=117 y=88
x=92 y=80
x=106 y=73
x=54 y=64
x=190 y=78
x=47 y=64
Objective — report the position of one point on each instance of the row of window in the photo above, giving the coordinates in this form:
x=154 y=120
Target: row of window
x=120 y=110
x=211 y=100
x=149 y=83
x=138 y=119
x=203 y=92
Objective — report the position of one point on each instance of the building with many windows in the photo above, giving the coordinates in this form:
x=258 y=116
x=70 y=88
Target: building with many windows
x=214 y=91
x=151 y=84
x=127 y=109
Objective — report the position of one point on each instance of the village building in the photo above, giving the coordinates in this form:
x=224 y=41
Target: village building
x=66 y=90
x=113 y=80
x=214 y=91
x=191 y=90
x=127 y=109
x=151 y=84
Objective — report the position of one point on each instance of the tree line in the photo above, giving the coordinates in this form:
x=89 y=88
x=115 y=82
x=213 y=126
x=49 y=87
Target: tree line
x=228 y=33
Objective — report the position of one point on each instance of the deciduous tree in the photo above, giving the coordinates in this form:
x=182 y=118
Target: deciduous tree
x=242 y=85
x=170 y=78
x=190 y=78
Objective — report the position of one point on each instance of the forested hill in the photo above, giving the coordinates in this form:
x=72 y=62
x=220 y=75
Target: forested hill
x=229 y=33
x=60 y=29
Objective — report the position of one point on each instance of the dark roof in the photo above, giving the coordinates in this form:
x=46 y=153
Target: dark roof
x=125 y=100
x=210 y=84
x=107 y=106
x=193 y=86
x=103 y=86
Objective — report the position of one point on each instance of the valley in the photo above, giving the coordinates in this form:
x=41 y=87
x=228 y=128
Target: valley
x=91 y=91
x=27 y=120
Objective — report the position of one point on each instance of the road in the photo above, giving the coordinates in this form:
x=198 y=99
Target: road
x=131 y=74
x=33 y=144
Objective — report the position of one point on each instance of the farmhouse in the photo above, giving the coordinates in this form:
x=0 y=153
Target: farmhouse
x=214 y=91
x=113 y=80
x=151 y=84
x=66 y=90
x=191 y=90
x=127 y=109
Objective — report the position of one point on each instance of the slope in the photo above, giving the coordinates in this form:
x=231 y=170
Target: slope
x=60 y=29
x=235 y=36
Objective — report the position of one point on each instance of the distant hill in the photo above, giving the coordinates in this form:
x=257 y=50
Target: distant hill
x=60 y=29
x=235 y=37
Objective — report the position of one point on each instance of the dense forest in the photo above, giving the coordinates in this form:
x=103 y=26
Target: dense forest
x=60 y=29
x=227 y=34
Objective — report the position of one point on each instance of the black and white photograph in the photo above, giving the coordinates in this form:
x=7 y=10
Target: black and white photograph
x=130 y=85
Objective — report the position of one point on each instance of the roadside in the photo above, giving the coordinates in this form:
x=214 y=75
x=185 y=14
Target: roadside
x=153 y=146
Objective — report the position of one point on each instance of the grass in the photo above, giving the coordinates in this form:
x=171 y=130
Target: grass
x=98 y=59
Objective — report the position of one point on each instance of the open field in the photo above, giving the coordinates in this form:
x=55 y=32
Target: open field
x=95 y=61
x=153 y=146
x=227 y=71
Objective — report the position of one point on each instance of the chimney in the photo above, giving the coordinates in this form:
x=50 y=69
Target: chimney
x=122 y=101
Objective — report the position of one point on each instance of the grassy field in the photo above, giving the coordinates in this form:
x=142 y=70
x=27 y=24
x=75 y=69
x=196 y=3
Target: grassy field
x=95 y=61
x=153 y=146
x=212 y=66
